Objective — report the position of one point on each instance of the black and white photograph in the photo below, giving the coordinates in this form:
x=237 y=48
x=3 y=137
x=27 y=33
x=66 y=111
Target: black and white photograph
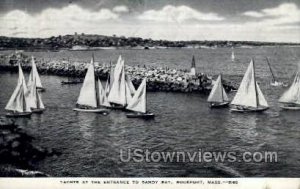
x=146 y=89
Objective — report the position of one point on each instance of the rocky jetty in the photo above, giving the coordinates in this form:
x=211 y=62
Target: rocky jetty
x=158 y=78
x=17 y=152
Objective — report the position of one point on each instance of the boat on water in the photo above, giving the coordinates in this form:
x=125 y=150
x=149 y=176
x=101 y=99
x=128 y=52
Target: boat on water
x=249 y=97
x=34 y=75
x=138 y=104
x=232 y=55
x=218 y=97
x=121 y=88
x=90 y=97
x=72 y=82
x=290 y=100
x=35 y=99
x=274 y=82
x=18 y=104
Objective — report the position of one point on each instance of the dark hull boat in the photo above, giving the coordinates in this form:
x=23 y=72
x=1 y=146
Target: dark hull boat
x=141 y=115
x=71 y=82
x=219 y=105
x=37 y=110
x=41 y=89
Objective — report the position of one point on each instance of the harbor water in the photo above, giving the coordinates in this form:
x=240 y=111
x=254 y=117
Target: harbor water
x=91 y=143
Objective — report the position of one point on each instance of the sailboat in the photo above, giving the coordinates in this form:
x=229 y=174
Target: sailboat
x=18 y=105
x=91 y=93
x=232 y=55
x=119 y=94
x=290 y=99
x=34 y=99
x=218 y=97
x=138 y=104
x=249 y=97
x=274 y=82
x=34 y=75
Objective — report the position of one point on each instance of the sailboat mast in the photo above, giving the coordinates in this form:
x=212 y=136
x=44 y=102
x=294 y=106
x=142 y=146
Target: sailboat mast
x=255 y=86
x=221 y=87
x=270 y=69
x=96 y=81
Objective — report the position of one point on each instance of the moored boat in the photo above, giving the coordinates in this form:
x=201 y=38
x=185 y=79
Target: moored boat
x=218 y=97
x=290 y=100
x=18 y=105
x=249 y=97
x=138 y=104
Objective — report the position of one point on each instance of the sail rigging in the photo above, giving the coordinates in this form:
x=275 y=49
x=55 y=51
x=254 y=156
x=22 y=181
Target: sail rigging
x=249 y=93
x=138 y=102
x=218 y=93
x=35 y=99
x=117 y=92
x=34 y=75
x=18 y=102
x=292 y=95
x=88 y=93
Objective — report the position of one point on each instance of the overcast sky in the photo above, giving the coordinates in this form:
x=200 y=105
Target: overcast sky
x=258 y=20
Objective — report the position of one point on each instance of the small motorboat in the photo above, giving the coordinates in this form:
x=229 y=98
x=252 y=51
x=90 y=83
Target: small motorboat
x=73 y=82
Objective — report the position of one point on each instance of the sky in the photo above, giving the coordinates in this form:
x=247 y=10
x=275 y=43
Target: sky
x=246 y=20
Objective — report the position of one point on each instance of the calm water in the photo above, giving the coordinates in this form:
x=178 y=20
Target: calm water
x=90 y=143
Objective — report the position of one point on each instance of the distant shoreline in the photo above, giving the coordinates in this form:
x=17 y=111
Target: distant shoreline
x=82 y=42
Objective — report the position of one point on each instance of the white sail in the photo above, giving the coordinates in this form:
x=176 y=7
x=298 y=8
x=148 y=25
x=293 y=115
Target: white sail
x=19 y=100
x=261 y=99
x=103 y=101
x=217 y=93
x=34 y=97
x=292 y=95
x=130 y=86
x=246 y=94
x=87 y=94
x=232 y=56
x=34 y=75
x=117 y=92
x=138 y=102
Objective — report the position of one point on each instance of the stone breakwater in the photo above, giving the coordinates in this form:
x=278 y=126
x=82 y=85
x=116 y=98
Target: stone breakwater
x=158 y=78
x=17 y=151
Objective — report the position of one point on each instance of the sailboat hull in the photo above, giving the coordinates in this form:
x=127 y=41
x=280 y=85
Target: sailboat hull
x=37 y=110
x=141 y=115
x=219 y=105
x=248 y=109
x=18 y=114
x=290 y=107
x=41 y=89
x=99 y=110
